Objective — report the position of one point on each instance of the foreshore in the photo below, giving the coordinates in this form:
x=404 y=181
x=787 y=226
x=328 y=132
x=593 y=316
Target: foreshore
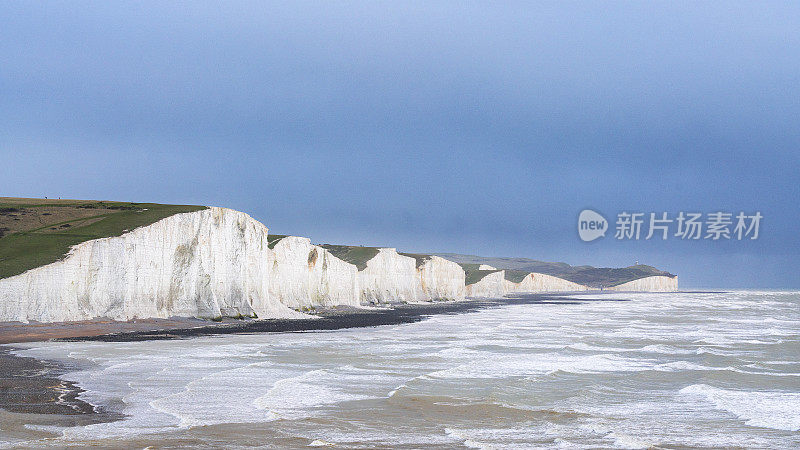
x=322 y=319
x=34 y=391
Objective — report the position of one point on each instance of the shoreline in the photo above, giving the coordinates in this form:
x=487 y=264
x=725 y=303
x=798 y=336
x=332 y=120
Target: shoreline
x=35 y=396
x=35 y=391
x=333 y=318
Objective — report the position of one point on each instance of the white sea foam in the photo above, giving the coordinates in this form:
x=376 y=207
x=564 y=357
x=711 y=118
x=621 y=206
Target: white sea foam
x=546 y=363
x=593 y=374
x=666 y=349
x=682 y=366
x=291 y=395
x=777 y=410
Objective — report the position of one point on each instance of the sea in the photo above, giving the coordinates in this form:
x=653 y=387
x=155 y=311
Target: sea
x=621 y=370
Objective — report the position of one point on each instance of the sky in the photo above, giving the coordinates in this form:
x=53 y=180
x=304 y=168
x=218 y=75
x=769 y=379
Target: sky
x=469 y=127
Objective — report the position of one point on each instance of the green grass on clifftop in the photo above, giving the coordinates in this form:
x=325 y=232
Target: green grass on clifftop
x=606 y=276
x=273 y=239
x=35 y=232
x=358 y=256
x=517 y=268
x=418 y=257
x=515 y=276
x=472 y=274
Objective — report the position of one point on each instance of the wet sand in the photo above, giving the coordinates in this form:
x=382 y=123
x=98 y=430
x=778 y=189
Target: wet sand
x=327 y=319
x=13 y=332
x=32 y=392
x=322 y=319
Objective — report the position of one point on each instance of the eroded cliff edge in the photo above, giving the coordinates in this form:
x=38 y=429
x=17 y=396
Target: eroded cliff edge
x=206 y=264
x=649 y=284
x=217 y=262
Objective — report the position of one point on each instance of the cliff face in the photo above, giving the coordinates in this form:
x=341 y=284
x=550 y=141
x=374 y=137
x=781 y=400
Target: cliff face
x=200 y=264
x=538 y=282
x=388 y=278
x=306 y=275
x=217 y=262
x=440 y=279
x=495 y=285
x=649 y=284
x=492 y=285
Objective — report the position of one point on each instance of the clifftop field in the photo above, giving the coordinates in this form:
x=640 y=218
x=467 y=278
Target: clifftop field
x=35 y=232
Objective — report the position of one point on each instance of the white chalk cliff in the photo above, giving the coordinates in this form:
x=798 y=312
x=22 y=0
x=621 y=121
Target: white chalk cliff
x=207 y=264
x=440 y=279
x=388 y=278
x=492 y=285
x=649 y=284
x=217 y=262
x=303 y=275
x=539 y=282
x=495 y=285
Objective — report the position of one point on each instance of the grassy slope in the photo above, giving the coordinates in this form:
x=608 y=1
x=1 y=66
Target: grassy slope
x=419 y=257
x=475 y=275
x=36 y=247
x=357 y=256
x=517 y=268
x=606 y=277
x=273 y=239
x=516 y=275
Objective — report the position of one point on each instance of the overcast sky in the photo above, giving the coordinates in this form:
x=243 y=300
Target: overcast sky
x=470 y=127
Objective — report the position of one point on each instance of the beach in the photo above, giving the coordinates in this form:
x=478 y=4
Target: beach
x=333 y=318
x=620 y=370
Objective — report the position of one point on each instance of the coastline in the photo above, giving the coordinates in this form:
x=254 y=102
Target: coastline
x=332 y=318
x=37 y=398
x=34 y=391
x=322 y=319
x=34 y=397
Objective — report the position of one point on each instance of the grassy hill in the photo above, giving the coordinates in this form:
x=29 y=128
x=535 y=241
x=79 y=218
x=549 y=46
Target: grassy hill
x=420 y=258
x=607 y=276
x=35 y=232
x=517 y=268
x=273 y=239
x=355 y=255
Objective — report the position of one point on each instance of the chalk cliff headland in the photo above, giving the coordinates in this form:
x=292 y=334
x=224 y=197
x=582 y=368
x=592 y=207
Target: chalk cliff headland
x=217 y=262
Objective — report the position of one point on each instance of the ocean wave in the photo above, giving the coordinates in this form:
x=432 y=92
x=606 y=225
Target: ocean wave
x=655 y=348
x=665 y=349
x=598 y=348
x=313 y=389
x=776 y=410
x=681 y=366
x=540 y=364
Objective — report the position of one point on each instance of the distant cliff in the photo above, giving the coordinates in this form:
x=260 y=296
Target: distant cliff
x=593 y=277
x=498 y=283
x=386 y=276
x=650 y=284
x=216 y=262
x=303 y=275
